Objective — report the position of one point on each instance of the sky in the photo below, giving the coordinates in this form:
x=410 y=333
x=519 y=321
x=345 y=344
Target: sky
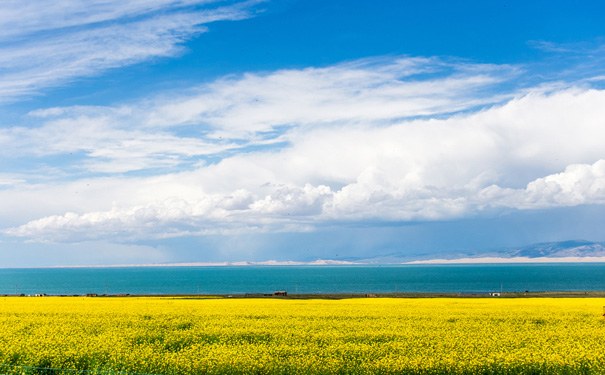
x=164 y=131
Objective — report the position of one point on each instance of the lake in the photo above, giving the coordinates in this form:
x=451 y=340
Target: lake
x=306 y=279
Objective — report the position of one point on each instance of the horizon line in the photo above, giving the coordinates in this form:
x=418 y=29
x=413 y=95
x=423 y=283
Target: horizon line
x=330 y=262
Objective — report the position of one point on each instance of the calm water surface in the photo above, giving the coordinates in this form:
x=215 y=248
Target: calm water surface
x=306 y=279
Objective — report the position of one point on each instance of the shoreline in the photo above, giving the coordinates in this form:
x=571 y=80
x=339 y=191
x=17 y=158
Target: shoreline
x=485 y=261
x=337 y=296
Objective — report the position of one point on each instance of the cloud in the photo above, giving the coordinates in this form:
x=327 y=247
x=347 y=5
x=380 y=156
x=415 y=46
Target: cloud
x=577 y=48
x=109 y=141
x=577 y=61
x=20 y=18
x=300 y=209
x=48 y=43
x=407 y=171
x=360 y=91
x=377 y=140
x=579 y=184
x=233 y=113
x=9 y=180
x=237 y=212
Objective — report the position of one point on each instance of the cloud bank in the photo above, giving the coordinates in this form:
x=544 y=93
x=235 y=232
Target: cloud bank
x=377 y=140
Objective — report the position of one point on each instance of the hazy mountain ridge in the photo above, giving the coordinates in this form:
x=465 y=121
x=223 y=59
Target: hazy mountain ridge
x=578 y=248
x=562 y=252
x=561 y=249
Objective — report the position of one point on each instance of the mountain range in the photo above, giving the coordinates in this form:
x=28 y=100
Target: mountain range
x=575 y=250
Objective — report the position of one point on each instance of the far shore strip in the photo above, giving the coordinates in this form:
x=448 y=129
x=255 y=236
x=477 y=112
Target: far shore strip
x=324 y=262
x=489 y=260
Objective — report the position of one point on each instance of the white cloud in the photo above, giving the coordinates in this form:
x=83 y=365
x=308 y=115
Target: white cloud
x=288 y=208
x=367 y=140
x=177 y=216
x=47 y=43
x=9 y=180
x=578 y=184
x=254 y=110
x=286 y=201
x=360 y=91
x=19 y=18
x=110 y=145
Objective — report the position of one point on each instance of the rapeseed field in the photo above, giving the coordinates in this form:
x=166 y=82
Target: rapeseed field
x=273 y=336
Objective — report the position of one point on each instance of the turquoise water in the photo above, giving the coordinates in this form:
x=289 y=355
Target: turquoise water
x=306 y=279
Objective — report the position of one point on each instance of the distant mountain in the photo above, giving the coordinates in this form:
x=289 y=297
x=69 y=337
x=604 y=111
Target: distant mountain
x=539 y=251
x=577 y=248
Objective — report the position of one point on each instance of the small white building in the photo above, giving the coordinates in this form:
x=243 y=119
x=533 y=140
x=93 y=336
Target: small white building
x=494 y=294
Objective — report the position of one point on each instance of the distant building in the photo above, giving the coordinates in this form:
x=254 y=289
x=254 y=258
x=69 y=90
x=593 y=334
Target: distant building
x=40 y=295
x=371 y=295
x=92 y=295
x=280 y=293
x=495 y=294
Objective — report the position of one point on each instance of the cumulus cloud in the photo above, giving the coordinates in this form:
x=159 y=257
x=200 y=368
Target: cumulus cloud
x=48 y=43
x=208 y=214
x=578 y=184
x=289 y=208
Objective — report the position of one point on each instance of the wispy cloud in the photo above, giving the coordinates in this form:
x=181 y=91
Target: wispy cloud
x=235 y=113
x=581 y=48
x=108 y=144
x=49 y=43
x=579 y=61
x=365 y=90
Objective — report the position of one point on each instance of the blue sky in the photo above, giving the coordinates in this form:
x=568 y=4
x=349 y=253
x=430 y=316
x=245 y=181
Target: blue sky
x=205 y=131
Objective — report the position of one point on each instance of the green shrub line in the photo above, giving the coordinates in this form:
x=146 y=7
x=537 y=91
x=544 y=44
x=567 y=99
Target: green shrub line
x=29 y=370
x=525 y=369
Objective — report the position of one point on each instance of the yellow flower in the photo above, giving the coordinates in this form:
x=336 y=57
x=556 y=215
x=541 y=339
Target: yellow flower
x=266 y=336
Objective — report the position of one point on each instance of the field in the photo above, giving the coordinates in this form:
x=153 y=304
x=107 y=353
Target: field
x=270 y=336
